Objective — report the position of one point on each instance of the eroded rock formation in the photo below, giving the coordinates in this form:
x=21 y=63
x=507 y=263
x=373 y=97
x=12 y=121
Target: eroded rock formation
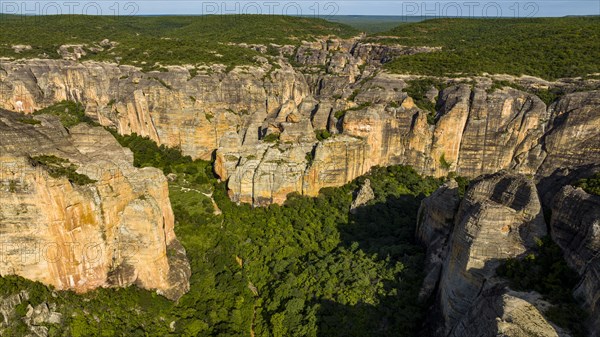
x=575 y=227
x=499 y=217
x=114 y=228
x=261 y=122
x=500 y=311
x=436 y=221
x=363 y=196
x=36 y=318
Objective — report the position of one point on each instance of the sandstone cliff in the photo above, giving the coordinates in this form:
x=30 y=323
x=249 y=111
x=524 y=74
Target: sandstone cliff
x=261 y=121
x=499 y=217
x=500 y=311
x=436 y=222
x=575 y=227
x=76 y=214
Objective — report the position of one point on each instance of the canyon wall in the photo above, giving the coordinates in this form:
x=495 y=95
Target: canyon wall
x=264 y=125
x=575 y=227
x=501 y=217
x=76 y=214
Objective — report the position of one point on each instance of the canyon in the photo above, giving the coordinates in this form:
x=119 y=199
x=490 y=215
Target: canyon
x=261 y=124
x=311 y=116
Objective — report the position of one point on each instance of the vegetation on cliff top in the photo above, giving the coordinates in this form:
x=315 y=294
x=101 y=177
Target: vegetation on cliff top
x=167 y=40
x=59 y=167
x=307 y=268
x=545 y=47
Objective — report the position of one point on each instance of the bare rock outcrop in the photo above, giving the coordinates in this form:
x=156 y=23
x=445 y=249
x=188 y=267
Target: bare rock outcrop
x=363 y=196
x=83 y=217
x=500 y=311
x=500 y=217
x=575 y=227
x=334 y=85
x=35 y=319
x=573 y=139
x=436 y=221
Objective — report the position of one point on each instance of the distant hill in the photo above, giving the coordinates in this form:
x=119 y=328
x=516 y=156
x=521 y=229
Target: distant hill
x=375 y=23
x=545 y=47
x=163 y=39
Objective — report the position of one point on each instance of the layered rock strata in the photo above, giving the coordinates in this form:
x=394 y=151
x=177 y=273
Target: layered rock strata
x=575 y=227
x=261 y=123
x=499 y=217
x=113 y=228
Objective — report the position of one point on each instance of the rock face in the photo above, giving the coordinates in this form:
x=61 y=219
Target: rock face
x=499 y=217
x=500 y=311
x=575 y=227
x=115 y=229
x=436 y=221
x=573 y=135
x=260 y=122
x=363 y=196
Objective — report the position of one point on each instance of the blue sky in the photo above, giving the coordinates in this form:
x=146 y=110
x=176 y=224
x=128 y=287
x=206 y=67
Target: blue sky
x=324 y=8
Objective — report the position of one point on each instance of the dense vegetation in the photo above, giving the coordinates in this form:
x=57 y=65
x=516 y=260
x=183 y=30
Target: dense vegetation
x=591 y=184
x=546 y=272
x=167 y=40
x=307 y=268
x=545 y=47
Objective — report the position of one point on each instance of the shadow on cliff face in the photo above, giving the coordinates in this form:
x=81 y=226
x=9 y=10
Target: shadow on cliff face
x=550 y=185
x=473 y=291
x=385 y=228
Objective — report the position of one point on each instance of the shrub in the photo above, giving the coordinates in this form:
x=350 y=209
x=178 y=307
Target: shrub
x=29 y=121
x=70 y=113
x=271 y=138
x=444 y=163
x=499 y=46
x=339 y=114
x=166 y=40
x=322 y=134
x=590 y=185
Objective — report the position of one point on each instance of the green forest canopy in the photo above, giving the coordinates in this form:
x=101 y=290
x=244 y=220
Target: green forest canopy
x=307 y=268
x=545 y=47
x=550 y=48
x=168 y=40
